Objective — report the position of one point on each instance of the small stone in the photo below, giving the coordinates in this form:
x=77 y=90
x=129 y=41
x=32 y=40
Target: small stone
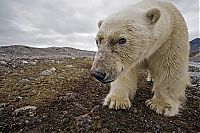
x=3 y=62
x=60 y=77
x=23 y=82
x=21 y=71
x=32 y=63
x=26 y=122
x=48 y=72
x=3 y=105
x=24 y=109
x=135 y=110
x=70 y=66
x=157 y=126
x=18 y=98
x=53 y=69
x=52 y=61
x=24 y=62
x=97 y=117
x=65 y=112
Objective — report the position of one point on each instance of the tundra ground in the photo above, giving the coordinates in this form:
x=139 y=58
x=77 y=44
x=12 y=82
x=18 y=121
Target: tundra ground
x=68 y=99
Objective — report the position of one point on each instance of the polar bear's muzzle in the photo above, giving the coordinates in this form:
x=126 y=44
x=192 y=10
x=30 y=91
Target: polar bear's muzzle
x=105 y=67
x=102 y=76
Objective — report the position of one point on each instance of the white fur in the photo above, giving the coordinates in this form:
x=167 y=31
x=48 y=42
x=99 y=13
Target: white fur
x=162 y=47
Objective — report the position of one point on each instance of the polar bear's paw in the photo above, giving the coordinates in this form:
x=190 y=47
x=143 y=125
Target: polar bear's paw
x=161 y=107
x=116 y=102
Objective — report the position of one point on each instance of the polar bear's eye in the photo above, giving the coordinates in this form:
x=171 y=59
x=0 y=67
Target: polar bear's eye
x=122 y=41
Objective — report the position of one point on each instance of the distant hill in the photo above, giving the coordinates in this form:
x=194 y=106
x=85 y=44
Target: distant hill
x=195 y=46
x=19 y=51
x=195 y=50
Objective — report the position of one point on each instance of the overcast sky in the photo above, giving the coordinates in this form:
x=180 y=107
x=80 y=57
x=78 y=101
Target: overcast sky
x=69 y=23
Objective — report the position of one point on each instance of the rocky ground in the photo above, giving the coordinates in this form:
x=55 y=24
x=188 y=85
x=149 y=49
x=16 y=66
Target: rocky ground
x=46 y=95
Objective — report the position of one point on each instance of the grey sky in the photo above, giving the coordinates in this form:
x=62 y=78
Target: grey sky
x=69 y=23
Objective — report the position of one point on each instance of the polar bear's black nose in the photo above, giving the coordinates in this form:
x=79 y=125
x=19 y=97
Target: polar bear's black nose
x=98 y=75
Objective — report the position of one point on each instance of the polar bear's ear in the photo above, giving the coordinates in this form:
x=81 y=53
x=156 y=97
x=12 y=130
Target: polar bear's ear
x=99 y=23
x=153 y=15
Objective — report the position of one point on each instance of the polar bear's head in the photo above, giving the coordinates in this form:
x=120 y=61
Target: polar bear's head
x=123 y=39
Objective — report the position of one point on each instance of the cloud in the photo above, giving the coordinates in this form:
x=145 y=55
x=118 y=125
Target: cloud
x=43 y=23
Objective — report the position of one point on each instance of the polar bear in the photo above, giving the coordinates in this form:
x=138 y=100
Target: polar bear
x=149 y=35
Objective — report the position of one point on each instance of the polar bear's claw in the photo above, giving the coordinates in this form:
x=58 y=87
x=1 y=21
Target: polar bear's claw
x=116 y=102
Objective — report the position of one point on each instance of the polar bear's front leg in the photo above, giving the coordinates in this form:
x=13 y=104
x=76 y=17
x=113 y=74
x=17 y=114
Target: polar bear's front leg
x=122 y=90
x=168 y=95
